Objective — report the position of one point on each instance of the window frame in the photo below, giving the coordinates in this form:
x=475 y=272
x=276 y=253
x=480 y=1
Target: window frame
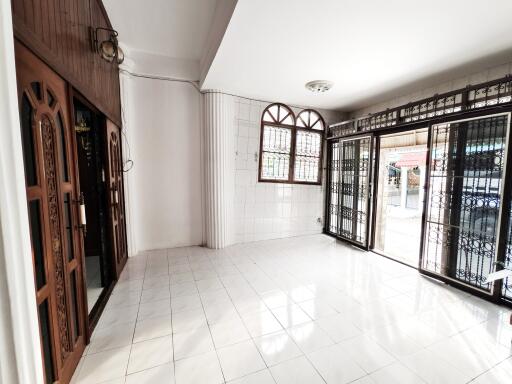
x=294 y=129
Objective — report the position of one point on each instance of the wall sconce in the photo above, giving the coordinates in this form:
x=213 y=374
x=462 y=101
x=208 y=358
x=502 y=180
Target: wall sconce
x=107 y=49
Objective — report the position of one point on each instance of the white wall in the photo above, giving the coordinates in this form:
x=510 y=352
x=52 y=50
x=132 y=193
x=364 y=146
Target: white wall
x=457 y=83
x=270 y=210
x=164 y=187
x=20 y=352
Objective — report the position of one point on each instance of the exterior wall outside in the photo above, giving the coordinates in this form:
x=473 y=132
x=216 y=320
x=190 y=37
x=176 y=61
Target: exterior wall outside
x=270 y=210
x=489 y=74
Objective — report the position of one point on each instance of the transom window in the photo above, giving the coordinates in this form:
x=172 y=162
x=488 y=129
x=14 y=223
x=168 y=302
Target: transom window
x=291 y=147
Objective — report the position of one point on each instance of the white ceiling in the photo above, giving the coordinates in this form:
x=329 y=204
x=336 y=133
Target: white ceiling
x=173 y=28
x=371 y=49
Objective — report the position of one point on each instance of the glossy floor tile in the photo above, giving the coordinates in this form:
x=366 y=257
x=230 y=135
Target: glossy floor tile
x=299 y=310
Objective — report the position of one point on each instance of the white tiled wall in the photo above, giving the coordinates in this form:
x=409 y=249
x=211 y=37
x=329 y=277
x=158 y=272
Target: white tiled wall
x=270 y=210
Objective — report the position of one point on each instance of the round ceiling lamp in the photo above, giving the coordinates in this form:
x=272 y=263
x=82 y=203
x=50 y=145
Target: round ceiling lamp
x=319 y=86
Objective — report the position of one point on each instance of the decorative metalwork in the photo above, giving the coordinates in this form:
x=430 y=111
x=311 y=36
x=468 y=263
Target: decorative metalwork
x=333 y=170
x=348 y=189
x=437 y=106
x=493 y=93
x=291 y=148
x=466 y=171
x=342 y=129
x=308 y=146
x=378 y=120
x=507 y=283
x=497 y=92
x=276 y=152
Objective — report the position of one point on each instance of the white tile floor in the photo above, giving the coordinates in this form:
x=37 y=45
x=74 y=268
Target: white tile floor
x=299 y=310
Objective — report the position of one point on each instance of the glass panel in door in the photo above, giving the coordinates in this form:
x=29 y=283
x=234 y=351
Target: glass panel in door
x=467 y=166
x=400 y=195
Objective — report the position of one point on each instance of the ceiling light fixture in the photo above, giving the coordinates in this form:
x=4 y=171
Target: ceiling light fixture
x=107 y=49
x=319 y=86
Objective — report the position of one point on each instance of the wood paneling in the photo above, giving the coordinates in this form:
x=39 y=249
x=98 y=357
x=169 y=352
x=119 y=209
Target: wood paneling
x=58 y=31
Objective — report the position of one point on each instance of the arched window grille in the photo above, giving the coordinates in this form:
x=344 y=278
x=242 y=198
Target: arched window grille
x=291 y=148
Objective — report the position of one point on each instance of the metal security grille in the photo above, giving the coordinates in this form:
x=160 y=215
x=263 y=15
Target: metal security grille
x=466 y=174
x=276 y=152
x=474 y=97
x=507 y=283
x=348 y=199
x=307 y=155
x=333 y=170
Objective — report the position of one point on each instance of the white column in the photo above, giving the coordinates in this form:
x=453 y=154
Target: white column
x=20 y=349
x=403 y=189
x=219 y=168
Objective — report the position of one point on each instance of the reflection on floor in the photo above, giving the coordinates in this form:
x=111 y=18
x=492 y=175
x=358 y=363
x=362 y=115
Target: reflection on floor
x=93 y=276
x=403 y=234
x=301 y=310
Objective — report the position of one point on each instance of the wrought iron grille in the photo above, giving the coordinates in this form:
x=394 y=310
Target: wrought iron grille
x=438 y=106
x=497 y=92
x=348 y=190
x=466 y=170
x=307 y=155
x=276 y=152
x=333 y=187
x=378 y=120
x=507 y=283
x=342 y=129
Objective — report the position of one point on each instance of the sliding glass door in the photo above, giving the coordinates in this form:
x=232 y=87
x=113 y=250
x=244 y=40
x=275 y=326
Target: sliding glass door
x=466 y=176
x=348 y=193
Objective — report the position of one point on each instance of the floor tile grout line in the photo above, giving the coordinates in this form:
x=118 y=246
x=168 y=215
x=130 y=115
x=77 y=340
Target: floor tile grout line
x=135 y=328
x=301 y=278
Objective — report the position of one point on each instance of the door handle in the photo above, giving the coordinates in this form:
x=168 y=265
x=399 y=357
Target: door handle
x=82 y=216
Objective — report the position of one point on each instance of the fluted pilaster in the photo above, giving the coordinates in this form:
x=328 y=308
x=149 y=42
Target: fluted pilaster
x=219 y=168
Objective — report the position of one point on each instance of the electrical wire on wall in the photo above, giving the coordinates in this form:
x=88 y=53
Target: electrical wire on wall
x=128 y=163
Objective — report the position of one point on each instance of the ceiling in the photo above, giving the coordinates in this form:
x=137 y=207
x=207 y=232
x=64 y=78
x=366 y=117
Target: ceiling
x=173 y=28
x=371 y=49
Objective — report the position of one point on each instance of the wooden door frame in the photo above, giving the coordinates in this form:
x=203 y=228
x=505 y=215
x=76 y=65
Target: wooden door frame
x=118 y=266
x=34 y=69
x=91 y=320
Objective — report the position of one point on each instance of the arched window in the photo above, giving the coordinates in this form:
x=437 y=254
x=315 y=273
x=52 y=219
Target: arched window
x=291 y=149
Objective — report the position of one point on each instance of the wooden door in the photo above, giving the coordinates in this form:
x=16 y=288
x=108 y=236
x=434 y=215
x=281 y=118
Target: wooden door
x=53 y=214
x=116 y=196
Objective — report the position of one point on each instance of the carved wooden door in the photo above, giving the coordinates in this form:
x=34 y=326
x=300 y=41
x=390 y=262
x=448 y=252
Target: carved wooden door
x=50 y=178
x=116 y=196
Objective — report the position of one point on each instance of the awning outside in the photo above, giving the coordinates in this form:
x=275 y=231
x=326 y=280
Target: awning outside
x=411 y=159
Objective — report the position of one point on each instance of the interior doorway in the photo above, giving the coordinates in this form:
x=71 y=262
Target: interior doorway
x=91 y=154
x=400 y=195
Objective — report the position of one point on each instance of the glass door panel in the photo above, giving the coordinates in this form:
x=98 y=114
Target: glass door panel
x=467 y=166
x=400 y=195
